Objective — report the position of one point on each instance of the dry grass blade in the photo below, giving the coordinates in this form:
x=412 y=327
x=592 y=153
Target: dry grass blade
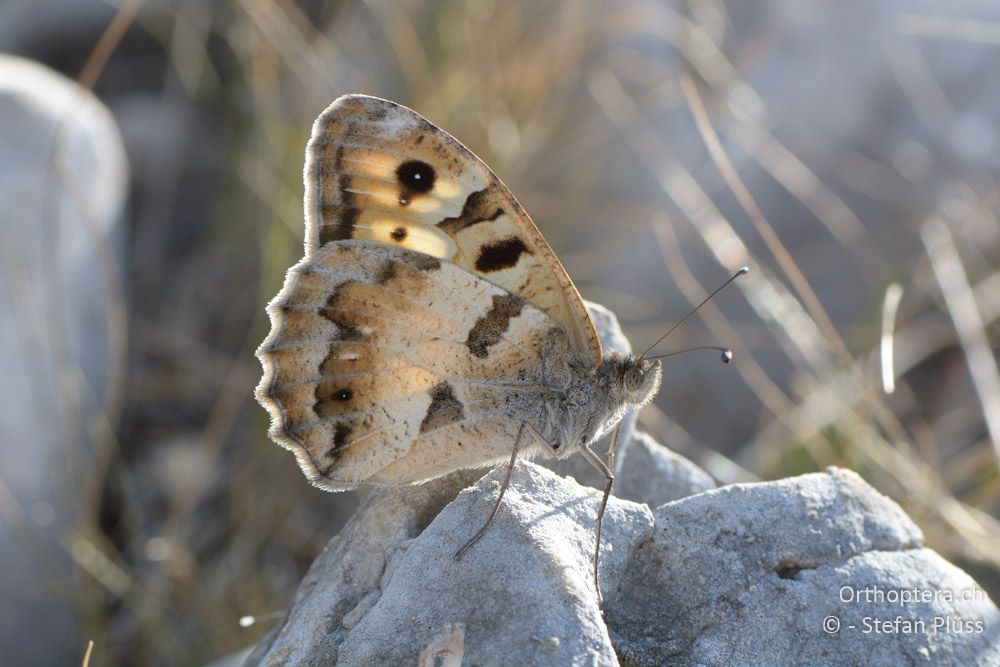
x=886 y=419
x=890 y=304
x=830 y=210
x=87 y=653
x=968 y=322
x=774 y=243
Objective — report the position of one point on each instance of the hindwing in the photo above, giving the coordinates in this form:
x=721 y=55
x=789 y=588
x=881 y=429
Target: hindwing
x=388 y=366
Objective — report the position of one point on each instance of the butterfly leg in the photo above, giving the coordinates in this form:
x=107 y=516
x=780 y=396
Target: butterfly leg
x=503 y=489
x=605 y=469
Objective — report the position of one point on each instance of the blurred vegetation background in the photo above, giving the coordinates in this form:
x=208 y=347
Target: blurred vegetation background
x=847 y=151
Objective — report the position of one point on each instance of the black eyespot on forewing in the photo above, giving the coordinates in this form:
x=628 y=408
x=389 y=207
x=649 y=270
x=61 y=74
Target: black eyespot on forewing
x=502 y=254
x=416 y=176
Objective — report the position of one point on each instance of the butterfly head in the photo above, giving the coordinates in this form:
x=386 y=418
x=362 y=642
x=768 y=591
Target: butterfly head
x=637 y=378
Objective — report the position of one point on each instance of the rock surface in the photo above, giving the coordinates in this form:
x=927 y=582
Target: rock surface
x=742 y=575
x=385 y=593
x=654 y=475
x=800 y=571
x=646 y=471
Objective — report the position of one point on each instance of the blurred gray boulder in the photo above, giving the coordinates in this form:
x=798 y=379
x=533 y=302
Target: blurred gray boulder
x=62 y=188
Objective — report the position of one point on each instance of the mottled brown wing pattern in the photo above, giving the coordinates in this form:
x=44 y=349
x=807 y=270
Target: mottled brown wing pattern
x=378 y=171
x=389 y=366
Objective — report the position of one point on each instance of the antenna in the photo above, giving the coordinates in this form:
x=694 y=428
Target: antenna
x=726 y=358
x=727 y=354
x=247 y=621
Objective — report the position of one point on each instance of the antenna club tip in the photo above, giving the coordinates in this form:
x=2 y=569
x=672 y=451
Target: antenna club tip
x=743 y=271
x=727 y=356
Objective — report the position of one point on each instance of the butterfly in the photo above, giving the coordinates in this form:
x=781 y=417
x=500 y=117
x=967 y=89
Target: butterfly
x=429 y=326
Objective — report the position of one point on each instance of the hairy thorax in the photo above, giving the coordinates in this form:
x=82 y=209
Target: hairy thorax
x=575 y=402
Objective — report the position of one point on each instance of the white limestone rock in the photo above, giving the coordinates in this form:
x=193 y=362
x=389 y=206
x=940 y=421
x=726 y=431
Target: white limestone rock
x=654 y=475
x=522 y=595
x=789 y=573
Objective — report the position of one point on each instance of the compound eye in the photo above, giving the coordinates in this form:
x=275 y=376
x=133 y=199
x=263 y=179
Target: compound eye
x=633 y=379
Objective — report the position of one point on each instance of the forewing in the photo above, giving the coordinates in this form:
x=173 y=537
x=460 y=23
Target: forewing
x=378 y=171
x=388 y=366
